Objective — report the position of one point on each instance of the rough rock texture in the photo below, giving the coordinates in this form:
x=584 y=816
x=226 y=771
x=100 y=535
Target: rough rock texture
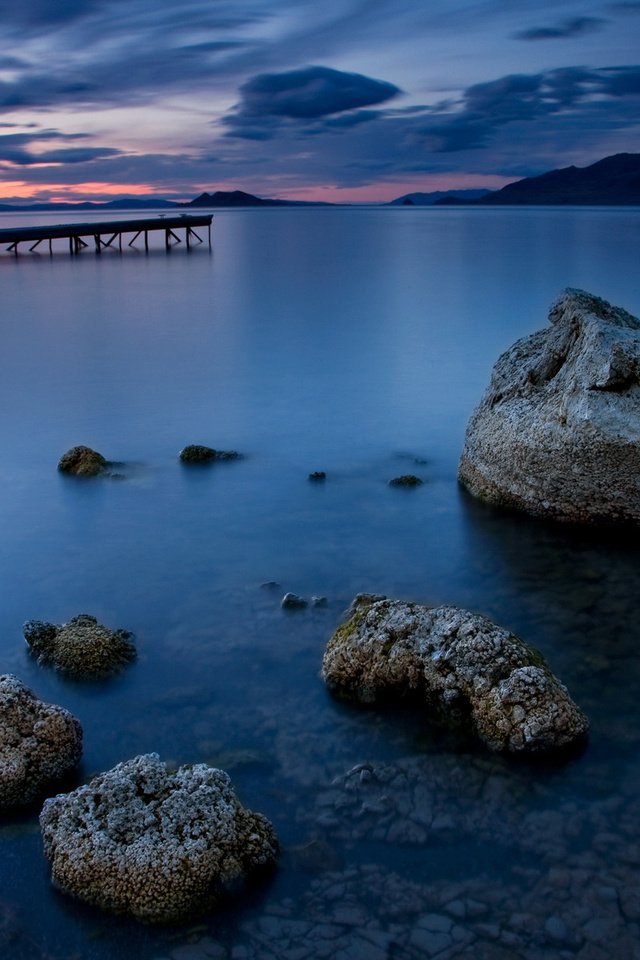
x=196 y=453
x=39 y=743
x=161 y=846
x=82 y=462
x=461 y=666
x=557 y=433
x=82 y=647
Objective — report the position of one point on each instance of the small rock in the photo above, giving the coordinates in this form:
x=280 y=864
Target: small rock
x=82 y=462
x=319 y=602
x=291 y=601
x=197 y=453
x=318 y=475
x=39 y=743
x=406 y=480
x=81 y=648
x=556 y=929
x=270 y=585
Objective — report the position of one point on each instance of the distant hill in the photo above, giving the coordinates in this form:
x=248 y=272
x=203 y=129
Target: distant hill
x=614 y=180
x=132 y=204
x=437 y=196
x=232 y=198
x=238 y=198
x=221 y=198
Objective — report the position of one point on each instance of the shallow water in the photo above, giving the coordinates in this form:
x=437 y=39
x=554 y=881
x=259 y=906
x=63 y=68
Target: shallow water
x=355 y=342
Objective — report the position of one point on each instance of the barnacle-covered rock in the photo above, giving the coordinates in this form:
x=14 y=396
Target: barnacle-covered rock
x=39 y=743
x=82 y=462
x=557 y=433
x=82 y=647
x=158 y=845
x=462 y=667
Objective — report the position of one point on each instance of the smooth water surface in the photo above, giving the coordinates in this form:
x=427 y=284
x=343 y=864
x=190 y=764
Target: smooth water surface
x=354 y=341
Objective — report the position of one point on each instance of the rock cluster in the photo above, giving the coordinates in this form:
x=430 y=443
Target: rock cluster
x=197 y=453
x=557 y=433
x=82 y=647
x=39 y=743
x=158 y=845
x=462 y=667
x=82 y=462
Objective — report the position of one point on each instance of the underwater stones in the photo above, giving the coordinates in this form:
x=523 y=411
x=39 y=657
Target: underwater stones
x=406 y=480
x=197 y=453
x=81 y=648
x=557 y=433
x=462 y=667
x=160 y=846
x=39 y=743
x=82 y=462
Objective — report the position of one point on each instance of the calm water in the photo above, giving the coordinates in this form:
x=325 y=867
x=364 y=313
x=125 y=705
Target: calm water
x=355 y=342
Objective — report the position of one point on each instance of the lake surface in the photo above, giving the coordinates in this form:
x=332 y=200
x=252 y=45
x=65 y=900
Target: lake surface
x=357 y=342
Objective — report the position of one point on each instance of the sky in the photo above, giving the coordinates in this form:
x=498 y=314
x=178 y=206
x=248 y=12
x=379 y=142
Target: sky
x=341 y=100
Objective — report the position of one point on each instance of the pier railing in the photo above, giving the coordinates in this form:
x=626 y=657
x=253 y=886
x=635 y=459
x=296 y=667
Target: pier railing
x=105 y=233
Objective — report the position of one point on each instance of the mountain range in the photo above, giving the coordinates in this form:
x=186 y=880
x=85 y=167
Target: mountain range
x=612 y=181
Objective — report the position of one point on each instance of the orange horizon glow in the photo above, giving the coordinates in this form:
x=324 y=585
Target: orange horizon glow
x=331 y=193
x=384 y=192
x=68 y=192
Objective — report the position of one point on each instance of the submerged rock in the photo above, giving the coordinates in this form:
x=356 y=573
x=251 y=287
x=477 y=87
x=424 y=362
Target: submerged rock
x=82 y=647
x=197 y=453
x=82 y=462
x=318 y=476
x=39 y=743
x=406 y=480
x=161 y=846
x=462 y=667
x=557 y=433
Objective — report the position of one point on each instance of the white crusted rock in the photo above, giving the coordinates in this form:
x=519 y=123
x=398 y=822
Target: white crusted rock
x=158 y=845
x=557 y=433
x=39 y=743
x=462 y=667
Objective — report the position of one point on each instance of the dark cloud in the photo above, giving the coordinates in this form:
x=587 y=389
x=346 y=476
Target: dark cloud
x=352 y=119
x=47 y=12
x=572 y=27
x=311 y=93
x=16 y=148
x=518 y=98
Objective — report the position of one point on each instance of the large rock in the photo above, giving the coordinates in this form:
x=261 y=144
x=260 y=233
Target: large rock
x=39 y=743
x=81 y=648
x=558 y=431
x=82 y=462
x=158 y=845
x=461 y=667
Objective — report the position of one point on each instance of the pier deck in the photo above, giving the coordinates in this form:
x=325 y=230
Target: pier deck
x=111 y=229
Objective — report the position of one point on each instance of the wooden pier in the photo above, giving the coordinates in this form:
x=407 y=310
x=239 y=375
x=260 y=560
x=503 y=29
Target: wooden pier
x=105 y=232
